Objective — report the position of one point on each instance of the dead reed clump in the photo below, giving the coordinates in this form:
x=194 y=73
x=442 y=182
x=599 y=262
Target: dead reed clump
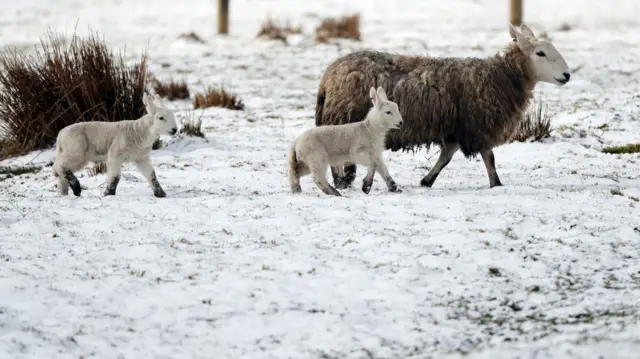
x=64 y=82
x=172 y=90
x=346 y=27
x=192 y=126
x=273 y=31
x=535 y=125
x=96 y=169
x=219 y=97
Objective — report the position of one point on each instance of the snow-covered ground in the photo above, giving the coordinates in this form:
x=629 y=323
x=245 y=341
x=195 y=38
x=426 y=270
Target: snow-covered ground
x=231 y=265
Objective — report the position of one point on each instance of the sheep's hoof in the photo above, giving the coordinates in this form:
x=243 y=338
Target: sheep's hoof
x=159 y=193
x=427 y=182
x=395 y=189
x=495 y=183
x=109 y=192
x=366 y=188
x=341 y=183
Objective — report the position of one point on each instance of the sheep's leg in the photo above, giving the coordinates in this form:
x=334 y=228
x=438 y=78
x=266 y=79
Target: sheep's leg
x=446 y=153
x=320 y=179
x=384 y=172
x=349 y=174
x=67 y=179
x=368 y=179
x=113 y=176
x=490 y=164
x=144 y=166
x=338 y=177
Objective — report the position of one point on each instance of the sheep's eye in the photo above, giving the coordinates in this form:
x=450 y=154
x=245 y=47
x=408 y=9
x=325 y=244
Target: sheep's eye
x=388 y=112
x=161 y=118
x=541 y=53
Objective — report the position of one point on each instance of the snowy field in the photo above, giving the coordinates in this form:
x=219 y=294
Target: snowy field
x=232 y=265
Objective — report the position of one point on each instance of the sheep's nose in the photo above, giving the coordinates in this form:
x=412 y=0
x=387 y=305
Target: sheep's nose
x=400 y=123
x=567 y=75
x=173 y=131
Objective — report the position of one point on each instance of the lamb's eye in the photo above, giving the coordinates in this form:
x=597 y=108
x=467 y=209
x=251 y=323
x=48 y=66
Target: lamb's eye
x=541 y=53
x=161 y=118
x=388 y=112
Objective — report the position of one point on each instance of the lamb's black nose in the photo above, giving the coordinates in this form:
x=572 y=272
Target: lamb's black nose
x=173 y=131
x=567 y=75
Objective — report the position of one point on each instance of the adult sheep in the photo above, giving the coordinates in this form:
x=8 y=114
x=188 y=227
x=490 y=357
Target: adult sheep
x=467 y=104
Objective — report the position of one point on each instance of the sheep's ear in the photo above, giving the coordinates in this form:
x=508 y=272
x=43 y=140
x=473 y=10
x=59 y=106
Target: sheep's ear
x=151 y=108
x=526 y=31
x=374 y=97
x=382 y=94
x=158 y=101
x=520 y=39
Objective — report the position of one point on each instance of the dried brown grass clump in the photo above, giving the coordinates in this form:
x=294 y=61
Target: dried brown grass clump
x=192 y=126
x=98 y=168
x=172 y=90
x=535 y=125
x=273 y=31
x=62 y=83
x=346 y=27
x=217 y=96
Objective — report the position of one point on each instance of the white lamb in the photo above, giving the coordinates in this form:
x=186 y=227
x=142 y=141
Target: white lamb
x=115 y=143
x=360 y=142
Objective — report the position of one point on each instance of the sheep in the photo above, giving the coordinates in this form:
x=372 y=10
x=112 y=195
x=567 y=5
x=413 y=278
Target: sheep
x=115 y=143
x=362 y=143
x=467 y=104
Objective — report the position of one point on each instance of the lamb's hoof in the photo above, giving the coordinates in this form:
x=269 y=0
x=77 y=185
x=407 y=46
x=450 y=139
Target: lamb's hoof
x=296 y=189
x=159 y=194
x=76 y=190
x=341 y=183
x=496 y=183
x=395 y=189
x=427 y=182
x=366 y=188
x=109 y=192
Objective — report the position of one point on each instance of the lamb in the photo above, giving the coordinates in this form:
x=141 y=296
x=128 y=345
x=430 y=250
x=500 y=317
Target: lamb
x=361 y=142
x=115 y=143
x=467 y=104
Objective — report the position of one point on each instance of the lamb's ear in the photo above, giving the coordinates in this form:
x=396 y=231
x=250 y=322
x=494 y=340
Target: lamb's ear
x=374 y=97
x=382 y=94
x=151 y=108
x=158 y=101
x=520 y=39
x=526 y=31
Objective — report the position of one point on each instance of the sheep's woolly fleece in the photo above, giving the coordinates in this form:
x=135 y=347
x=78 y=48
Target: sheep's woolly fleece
x=232 y=265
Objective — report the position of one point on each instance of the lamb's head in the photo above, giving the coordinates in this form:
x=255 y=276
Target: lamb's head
x=548 y=64
x=387 y=112
x=164 y=120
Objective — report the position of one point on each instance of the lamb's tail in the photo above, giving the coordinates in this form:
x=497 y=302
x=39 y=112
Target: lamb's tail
x=320 y=106
x=294 y=168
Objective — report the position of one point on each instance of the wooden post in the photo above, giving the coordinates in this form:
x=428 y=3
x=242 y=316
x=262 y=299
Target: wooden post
x=516 y=12
x=223 y=17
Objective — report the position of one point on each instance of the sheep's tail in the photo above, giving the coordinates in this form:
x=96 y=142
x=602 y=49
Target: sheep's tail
x=320 y=105
x=294 y=168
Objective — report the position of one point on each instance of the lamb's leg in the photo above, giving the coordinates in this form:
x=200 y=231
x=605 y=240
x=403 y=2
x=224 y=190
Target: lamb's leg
x=368 y=179
x=338 y=177
x=66 y=180
x=144 y=166
x=384 y=172
x=113 y=175
x=490 y=164
x=446 y=153
x=349 y=174
x=320 y=179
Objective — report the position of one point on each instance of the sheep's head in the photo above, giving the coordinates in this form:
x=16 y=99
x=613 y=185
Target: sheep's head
x=548 y=64
x=388 y=112
x=163 y=119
